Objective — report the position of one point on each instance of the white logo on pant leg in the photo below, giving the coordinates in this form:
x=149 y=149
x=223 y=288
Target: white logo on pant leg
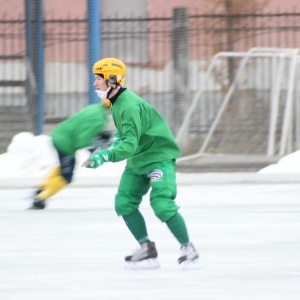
x=105 y=156
x=155 y=175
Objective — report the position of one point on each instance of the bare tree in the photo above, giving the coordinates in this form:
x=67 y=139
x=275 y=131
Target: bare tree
x=234 y=12
x=231 y=17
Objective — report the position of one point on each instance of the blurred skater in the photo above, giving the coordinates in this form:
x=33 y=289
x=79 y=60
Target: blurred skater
x=82 y=130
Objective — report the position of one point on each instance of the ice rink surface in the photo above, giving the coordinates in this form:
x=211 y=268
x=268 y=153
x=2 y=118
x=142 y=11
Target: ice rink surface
x=247 y=235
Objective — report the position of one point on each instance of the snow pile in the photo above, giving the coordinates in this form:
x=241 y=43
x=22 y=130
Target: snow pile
x=289 y=164
x=30 y=156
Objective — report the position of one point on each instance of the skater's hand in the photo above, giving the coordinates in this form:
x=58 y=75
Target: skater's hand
x=98 y=159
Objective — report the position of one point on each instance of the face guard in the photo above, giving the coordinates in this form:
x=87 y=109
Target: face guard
x=102 y=94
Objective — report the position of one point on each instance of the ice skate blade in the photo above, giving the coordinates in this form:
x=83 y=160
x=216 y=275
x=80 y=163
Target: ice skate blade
x=35 y=208
x=38 y=205
x=190 y=264
x=145 y=264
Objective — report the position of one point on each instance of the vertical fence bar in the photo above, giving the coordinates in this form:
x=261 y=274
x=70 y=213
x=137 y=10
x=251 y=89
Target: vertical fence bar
x=40 y=63
x=35 y=48
x=181 y=59
x=28 y=25
x=94 y=39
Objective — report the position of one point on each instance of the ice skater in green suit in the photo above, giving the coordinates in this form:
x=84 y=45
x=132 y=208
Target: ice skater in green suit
x=146 y=141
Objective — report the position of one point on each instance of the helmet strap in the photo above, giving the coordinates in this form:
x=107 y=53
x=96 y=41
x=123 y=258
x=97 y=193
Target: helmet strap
x=117 y=84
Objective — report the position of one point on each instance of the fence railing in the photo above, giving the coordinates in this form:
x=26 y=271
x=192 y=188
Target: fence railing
x=148 y=47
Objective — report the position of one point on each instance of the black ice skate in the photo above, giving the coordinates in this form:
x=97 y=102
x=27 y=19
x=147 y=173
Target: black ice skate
x=144 y=258
x=37 y=203
x=188 y=254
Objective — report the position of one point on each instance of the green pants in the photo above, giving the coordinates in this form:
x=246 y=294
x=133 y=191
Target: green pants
x=135 y=183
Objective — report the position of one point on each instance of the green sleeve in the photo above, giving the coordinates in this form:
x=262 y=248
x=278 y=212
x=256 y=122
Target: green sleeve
x=131 y=132
x=116 y=140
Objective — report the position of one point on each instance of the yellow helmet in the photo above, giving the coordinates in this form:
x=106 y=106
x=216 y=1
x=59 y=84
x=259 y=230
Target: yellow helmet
x=112 y=70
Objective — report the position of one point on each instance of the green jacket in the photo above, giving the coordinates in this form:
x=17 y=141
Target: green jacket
x=79 y=130
x=145 y=137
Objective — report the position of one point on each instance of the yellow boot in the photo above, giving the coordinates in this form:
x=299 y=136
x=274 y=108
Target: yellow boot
x=53 y=186
x=56 y=171
x=50 y=187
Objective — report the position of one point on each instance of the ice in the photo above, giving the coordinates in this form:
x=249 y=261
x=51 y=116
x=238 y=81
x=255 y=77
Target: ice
x=247 y=235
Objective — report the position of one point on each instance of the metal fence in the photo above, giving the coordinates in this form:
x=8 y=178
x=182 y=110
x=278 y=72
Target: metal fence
x=149 y=47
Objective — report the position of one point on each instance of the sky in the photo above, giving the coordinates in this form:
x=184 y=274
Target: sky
x=247 y=235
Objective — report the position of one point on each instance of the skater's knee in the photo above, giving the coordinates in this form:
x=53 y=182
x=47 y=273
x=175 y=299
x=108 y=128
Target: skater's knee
x=68 y=177
x=164 y=209
x=67 y=165
x=123 y=206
